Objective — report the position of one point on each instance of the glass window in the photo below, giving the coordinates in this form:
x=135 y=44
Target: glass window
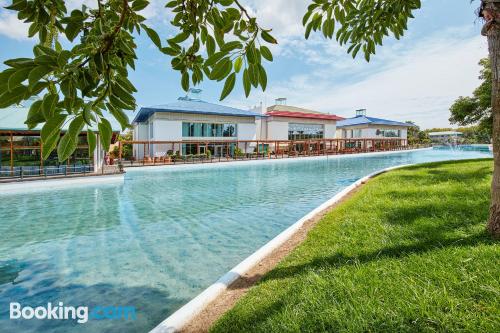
x=208 y=130
x=388 y=133
x=218 y=130
x=185 y=129
x=198 y=130
x=305 y=131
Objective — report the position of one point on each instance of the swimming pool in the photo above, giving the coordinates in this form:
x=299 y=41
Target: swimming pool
x=157 y=240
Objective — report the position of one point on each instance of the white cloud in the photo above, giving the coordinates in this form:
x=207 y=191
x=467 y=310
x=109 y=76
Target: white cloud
x=418 y=82
x=11 y=27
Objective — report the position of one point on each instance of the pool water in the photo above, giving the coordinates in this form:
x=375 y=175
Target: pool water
x=157 y=240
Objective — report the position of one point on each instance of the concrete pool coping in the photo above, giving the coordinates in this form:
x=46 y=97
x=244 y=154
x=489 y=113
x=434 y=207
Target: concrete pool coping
x=182 y=317
x=174 y=167
x=59 y=183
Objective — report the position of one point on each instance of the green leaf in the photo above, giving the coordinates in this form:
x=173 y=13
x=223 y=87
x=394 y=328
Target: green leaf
x=37 y=73
x=88 y=117
x=262 y=78
x=214 y=58
x=153 y=35
x=14 y=96
x=237 y=64
x=18 y=77
x=266 y=53
x=185 y=81
x=120 y=116
x=19 y=62
x=230 y=46
x=139 y=5
x=228 y=86
x=50 y=134
x=268 y=38
x=179 y=38
x=117 y=102
x=35 y=115
x=106 y=132
x=92 y=141
x=246 y=82
x=69 y=141
x=170 y=51
x=210 y=45
x=49 y=105
x=222 y=69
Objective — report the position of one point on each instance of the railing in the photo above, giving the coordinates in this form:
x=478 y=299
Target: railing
x=22 y=172
x=173 y=159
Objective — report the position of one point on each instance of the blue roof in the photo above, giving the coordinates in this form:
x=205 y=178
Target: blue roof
x=185 y=105
x=364 y=120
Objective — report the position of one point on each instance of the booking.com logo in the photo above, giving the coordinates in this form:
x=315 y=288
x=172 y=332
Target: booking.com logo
x=81 y=314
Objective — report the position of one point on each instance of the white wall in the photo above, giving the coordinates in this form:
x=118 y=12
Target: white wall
x=277 y=130
x=330 y=131
x=247 y=131
x=371 y=132
x=167 y=130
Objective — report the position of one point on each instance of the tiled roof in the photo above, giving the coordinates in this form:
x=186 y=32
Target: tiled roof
x=183 y=105
x=364 y=120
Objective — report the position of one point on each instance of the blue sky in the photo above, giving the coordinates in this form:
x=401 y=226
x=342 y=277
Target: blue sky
x=416 y=78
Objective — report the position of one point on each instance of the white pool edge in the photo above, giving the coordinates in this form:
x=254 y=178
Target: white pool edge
x=173 y=167
x=176 y=321
x=58 y=183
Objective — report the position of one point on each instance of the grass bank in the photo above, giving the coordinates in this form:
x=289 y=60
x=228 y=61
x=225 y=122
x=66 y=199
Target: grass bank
x=408 y=253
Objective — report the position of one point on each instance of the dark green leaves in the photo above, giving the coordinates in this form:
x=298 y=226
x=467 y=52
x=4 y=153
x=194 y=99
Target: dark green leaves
x=37 y=73
x=50 y=134
x=35 y=115
x=18 y=77
x=246 y=82
x=153 y=35
x=228 y=86
x=106 y=132
x=12 y=97
x=49 y=105
x=360 y=24
x=139 y=5
x=92 y=141
x=268 y=38
x=266 y=53
x=69 y=141
x=185 y=81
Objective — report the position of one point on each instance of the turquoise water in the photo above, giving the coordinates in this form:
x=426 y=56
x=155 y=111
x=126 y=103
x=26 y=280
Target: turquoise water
x=157 y=240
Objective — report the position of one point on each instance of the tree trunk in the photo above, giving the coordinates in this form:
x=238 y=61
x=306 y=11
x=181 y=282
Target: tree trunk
x=491 y=13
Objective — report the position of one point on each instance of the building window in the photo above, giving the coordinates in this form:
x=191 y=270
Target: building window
x=305 y=131
x=151 y=130
x=388 y=133
x=208 y=130
x=357 y=133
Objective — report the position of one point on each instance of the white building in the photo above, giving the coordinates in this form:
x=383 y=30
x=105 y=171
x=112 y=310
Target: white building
x=284 y=122
x=187 y=120
x=445 y=137
x=363 y=127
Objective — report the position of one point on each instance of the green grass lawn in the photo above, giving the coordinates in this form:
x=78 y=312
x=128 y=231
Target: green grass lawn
x=407 y=253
